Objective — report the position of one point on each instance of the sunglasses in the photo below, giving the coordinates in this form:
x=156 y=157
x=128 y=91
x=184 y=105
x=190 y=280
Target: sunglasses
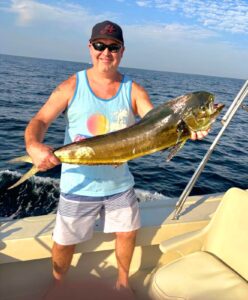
x=113 y=48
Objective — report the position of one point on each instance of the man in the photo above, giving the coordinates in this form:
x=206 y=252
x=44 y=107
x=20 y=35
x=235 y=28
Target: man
x=95 y=101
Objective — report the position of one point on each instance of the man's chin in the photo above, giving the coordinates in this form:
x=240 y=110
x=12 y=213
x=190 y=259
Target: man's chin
x=107 y=68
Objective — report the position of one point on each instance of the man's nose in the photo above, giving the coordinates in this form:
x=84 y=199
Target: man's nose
x=106 y=51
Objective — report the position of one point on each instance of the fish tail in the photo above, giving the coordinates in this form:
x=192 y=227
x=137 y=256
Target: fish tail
x=24 y=158
x=30 y=173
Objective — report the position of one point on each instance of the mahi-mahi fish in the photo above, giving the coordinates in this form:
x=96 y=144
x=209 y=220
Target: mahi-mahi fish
x=167 y=126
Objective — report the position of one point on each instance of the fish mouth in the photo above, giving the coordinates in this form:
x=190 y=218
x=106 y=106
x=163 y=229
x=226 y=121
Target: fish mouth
x=219 y=106
x=212 y=111
x=217 y=109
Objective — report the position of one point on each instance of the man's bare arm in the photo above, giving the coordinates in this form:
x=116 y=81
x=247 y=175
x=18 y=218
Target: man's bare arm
x=140 y=100
x=40 y=153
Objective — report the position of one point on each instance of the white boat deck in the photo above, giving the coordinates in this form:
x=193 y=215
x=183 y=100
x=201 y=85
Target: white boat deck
x=25 y=266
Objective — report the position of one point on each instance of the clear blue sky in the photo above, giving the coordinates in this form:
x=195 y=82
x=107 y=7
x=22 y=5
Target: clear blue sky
x=189 y=36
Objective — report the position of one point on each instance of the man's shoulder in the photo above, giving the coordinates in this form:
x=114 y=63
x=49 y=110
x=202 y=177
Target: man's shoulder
x=66 y=89
x=140 y=100
x=137 y=88
x=70 y=83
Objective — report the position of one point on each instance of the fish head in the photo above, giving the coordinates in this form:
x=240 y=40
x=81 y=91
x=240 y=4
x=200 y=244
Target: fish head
x=201 y=111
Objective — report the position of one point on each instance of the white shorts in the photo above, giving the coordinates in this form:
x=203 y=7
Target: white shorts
x=76 y=216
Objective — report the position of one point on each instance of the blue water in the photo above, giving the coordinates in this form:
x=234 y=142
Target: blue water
x=25 y=84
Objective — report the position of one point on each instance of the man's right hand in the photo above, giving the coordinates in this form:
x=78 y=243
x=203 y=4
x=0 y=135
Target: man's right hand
x=42 y=156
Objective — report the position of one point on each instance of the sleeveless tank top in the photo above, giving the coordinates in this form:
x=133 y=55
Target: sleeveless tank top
x=88 y=115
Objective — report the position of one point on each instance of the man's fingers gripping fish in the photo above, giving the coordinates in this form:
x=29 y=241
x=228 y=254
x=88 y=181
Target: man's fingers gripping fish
x=168 y=125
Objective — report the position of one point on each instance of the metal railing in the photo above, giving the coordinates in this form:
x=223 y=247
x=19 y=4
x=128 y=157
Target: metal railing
x=225 y=122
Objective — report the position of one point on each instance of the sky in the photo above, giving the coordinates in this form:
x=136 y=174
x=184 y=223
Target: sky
x=205 y=37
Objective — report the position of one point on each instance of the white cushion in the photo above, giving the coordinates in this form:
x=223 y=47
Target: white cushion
x=198 y=276
x=227 y=235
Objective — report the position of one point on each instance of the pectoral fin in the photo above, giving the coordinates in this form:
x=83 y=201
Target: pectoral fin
x=174 y=150
x=181 y=129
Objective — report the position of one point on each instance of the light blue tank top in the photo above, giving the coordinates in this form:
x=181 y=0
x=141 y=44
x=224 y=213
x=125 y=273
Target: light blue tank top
x=88 y=115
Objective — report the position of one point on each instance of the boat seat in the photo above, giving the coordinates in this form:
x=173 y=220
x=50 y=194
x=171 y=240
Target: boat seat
x=210 y=264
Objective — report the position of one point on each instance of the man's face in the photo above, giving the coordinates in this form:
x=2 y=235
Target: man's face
x=106 y=60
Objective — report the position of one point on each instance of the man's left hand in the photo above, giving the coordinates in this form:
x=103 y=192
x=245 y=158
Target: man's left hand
x=199 y=135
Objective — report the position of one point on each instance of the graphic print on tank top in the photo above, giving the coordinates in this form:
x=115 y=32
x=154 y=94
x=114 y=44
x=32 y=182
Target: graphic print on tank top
x=98 y=124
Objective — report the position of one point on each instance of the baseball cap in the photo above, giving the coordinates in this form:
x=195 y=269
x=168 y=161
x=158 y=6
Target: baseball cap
x=107 y=30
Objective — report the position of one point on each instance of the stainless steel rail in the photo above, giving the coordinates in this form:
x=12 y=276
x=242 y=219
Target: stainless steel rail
x=225 y=121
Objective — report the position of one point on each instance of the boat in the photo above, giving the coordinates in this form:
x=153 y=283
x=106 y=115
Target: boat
x=200 y=254
x=25 y=259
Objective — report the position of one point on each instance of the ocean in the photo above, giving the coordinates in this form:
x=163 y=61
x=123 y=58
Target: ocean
x=26 y=83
